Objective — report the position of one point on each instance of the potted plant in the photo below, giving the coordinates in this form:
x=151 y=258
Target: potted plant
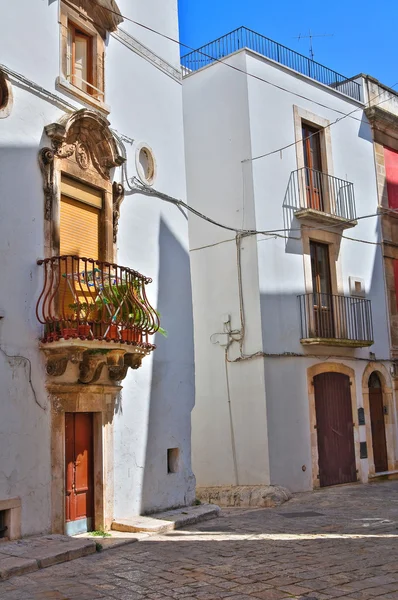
x=82 y=313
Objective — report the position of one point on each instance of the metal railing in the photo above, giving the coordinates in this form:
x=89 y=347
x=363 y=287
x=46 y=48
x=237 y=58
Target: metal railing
x=327 y=316
x=246 y=38
x=91 y=299
x=319 y=191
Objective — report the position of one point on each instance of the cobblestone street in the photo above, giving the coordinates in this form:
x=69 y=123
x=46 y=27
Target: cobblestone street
x=336 y=543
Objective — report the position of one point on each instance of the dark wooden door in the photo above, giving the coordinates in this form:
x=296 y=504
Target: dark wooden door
x=313 y=164
x=323 y=320
x=79 y=472
x=378 y=425
x=335 y=429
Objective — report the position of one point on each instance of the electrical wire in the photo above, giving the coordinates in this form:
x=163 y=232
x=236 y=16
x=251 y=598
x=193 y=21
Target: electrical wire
x=220 y=61
x=318 y=132
x=27 y=360
x=179 y=203
x=216 y=60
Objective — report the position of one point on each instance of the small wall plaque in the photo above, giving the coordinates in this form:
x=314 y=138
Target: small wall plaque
x=363 y=448
x=361 y=416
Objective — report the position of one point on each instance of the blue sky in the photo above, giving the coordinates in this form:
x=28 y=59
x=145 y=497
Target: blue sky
x=364 y=40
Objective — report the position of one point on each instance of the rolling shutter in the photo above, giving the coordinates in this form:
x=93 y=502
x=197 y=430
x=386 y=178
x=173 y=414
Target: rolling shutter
x=80 y=219
x=79 y=231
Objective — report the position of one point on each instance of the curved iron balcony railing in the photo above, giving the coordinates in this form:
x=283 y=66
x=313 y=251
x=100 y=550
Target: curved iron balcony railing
x=334 y=319
x=313 y=190
x=94 y=300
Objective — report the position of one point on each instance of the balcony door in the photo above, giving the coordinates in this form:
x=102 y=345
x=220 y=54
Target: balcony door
x=322 y=321
x=313 y=167
x=80 y=220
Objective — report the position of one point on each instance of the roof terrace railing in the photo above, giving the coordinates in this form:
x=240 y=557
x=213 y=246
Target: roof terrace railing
x=246 y=38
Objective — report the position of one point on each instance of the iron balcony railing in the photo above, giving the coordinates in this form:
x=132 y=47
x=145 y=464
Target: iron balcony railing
x=333 y=317
x=310 y=189
x=94 y=300
x=246 y=38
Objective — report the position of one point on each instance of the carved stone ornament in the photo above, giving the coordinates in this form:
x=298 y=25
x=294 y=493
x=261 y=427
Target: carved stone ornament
x=46 y=162
x=58 y=359
x=82 y=155
x=118 y=196
x=91 y=362
x=86 y=135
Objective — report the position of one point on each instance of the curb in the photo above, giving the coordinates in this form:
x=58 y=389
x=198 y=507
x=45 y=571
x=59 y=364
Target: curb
x=14 y=558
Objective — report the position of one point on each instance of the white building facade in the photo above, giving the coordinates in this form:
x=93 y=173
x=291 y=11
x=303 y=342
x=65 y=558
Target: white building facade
x=294 y=380
x=89 y=101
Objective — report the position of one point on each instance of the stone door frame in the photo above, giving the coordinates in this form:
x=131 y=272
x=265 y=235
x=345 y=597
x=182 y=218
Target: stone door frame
x=99 y=400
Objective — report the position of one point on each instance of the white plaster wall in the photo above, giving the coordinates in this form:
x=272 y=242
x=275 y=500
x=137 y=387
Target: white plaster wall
x=229 y=118
x=157 y=400
x=24 y=426
x=281 y=265
x=154 y=413
x=229 y=439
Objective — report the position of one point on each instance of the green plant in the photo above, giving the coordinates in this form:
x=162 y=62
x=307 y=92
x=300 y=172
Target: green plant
x=98 y=547
x=82 y=310
x=100 y=533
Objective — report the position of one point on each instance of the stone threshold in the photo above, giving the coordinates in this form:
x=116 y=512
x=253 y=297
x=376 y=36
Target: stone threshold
x=32 y=553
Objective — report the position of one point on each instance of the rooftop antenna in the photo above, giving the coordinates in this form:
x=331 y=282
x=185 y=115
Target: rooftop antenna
x=310 y=37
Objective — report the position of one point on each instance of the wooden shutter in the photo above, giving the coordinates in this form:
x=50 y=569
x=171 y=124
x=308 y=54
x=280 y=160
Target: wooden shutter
x=80 y=227
x=391 y=164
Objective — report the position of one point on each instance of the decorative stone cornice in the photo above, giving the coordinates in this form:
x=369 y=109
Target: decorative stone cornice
x=383 y=120
x=133 y=44
x=104 y=13
x=86 y=136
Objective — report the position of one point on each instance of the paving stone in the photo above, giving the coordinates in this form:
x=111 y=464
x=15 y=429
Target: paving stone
x=349 y=552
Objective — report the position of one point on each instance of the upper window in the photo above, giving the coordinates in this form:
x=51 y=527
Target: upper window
x=82 y=54
x=313 y=167
x=80 y=60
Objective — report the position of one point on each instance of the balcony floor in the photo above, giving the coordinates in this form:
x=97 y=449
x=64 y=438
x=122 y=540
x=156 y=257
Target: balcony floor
x=336 y=342
x=318 y=216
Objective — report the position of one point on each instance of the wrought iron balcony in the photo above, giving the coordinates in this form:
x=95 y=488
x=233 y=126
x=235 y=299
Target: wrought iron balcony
x=93 y=309
x=246 y=38
x=336 y=320
x=321 y=197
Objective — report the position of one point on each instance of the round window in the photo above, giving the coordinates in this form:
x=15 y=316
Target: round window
x=145 y=162
x=5 y=96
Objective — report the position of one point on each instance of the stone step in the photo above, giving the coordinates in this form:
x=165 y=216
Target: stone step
x=168 y=520
x=30 y=554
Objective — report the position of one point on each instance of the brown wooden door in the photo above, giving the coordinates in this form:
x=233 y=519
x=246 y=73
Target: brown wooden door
x=313 y=164
x=79 y=472
x=335 y=429
x=378 y=425
x=323 y=319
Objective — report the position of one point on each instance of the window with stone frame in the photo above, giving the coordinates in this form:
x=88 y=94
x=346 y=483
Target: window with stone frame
x=84 y=27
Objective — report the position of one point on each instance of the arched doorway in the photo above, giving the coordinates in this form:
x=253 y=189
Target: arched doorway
x=335 y=429
x=377 y=422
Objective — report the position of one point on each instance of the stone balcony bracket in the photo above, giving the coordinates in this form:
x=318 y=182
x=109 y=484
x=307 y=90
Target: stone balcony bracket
x=106 y=358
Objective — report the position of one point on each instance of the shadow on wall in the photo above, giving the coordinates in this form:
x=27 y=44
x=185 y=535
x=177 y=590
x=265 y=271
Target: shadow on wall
x=173 y=384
